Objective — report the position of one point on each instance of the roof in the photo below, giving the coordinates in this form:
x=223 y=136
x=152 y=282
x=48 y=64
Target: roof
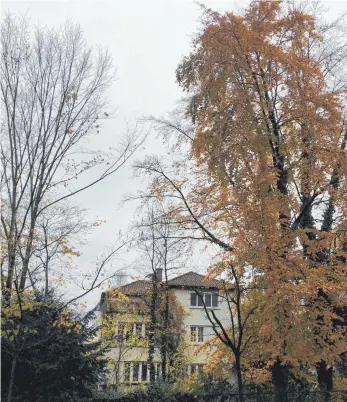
x=194 y=280
x=137 y=288
x=188 y=280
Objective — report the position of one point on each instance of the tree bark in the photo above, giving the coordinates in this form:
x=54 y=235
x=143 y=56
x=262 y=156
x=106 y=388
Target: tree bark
x=279 y=380
x=325 y=376
x=164 y=346
x=10 y=387
x=152 y=328
x=239 y=377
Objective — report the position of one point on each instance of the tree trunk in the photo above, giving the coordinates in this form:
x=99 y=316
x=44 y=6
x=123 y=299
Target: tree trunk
x=239 y=377
x=11 y=240
x=324 y=376
x=279 y=380
x=11 y=264
x=28 y=248
x=152 y=327
x=10 y=387
x=164 y=346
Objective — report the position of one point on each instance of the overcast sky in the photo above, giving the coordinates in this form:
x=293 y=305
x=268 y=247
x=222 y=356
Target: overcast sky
x=147 y=39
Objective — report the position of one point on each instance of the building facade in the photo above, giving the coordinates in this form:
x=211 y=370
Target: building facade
x=128 y=355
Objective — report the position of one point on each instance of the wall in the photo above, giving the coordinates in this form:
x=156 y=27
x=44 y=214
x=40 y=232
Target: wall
x=196 y=316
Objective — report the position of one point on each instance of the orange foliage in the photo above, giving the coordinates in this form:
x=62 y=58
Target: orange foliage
x=269 y=146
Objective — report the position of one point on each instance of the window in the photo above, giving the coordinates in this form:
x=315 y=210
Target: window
x=121 y=328
x=193 y=334
x=200 y=300
x=197 y=334
x=144 y=371
x=127 y=371
x=136 y=371
x=158 y=370
x=138 y=329
x=195 y=368
x=121 y=332
x=200 y=334
x=214 y=300
x=210 y=299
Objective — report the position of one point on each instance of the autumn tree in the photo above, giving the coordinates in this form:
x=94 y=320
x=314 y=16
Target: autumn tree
x=52 y=100
x=270 y=129
x=264 y=175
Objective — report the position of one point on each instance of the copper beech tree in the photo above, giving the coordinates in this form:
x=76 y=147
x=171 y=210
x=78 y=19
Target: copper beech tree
x=272 y=133
x=266 y=174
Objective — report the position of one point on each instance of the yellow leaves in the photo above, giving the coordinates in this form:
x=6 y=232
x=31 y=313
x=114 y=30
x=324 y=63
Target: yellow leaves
x=117 y=294
x=67 y=250
x=68 y=323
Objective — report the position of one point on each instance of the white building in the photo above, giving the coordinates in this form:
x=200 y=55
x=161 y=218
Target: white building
x=129 y=358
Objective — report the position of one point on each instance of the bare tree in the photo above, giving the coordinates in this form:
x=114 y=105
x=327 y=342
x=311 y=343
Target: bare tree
x=52 y=100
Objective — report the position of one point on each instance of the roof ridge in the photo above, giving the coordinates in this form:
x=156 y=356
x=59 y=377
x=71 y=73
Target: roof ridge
x=195 y=273
x=186 y=273
x=130 y=283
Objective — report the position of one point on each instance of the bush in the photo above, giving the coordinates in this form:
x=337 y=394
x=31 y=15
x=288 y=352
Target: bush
x=214 y=390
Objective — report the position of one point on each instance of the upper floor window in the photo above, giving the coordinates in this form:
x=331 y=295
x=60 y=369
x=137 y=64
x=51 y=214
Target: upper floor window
x=127 y=330
x=138 y=329
x=210 y=299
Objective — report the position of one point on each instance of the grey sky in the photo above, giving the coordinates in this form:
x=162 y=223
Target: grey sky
x=147 y=40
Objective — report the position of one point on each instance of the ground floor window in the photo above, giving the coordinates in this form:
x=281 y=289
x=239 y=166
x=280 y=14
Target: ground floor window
x=135 y=372
x=127 y=371
x=144 y=370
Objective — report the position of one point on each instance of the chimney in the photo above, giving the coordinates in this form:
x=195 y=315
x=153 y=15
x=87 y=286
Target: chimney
x=159 y=274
